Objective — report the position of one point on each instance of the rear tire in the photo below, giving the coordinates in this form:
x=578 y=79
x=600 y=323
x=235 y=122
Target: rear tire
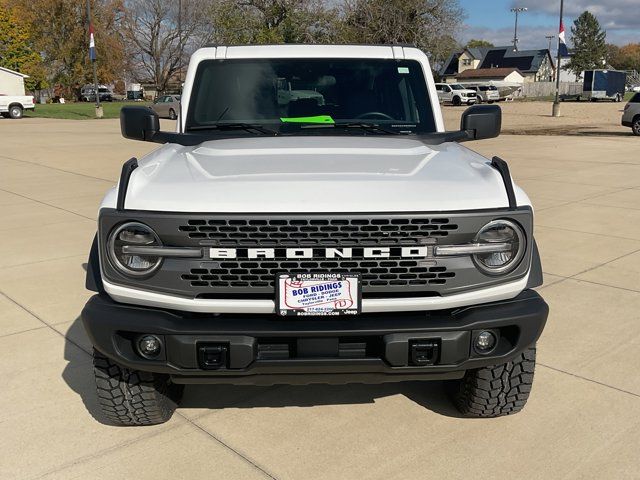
x=132 y=397
x=497 y=390
x=15 y=111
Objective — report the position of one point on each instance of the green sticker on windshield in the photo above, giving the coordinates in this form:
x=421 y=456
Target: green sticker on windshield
x=314 y=119
x=403 y=69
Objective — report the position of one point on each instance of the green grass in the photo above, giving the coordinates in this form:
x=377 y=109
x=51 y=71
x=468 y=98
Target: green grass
x=78 y=111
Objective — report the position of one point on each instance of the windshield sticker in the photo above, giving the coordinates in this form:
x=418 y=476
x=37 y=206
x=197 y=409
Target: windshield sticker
x=403 y=69
x=315 y=119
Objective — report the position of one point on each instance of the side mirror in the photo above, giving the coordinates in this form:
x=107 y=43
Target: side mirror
x=139 y=123
x=481 y=121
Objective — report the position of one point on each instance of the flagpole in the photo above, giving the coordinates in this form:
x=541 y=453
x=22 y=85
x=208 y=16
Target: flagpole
x=556 y=103
x=93 y=63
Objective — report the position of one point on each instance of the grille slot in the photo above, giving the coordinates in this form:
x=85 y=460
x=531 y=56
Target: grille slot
x=388 y=272
x=329 y=232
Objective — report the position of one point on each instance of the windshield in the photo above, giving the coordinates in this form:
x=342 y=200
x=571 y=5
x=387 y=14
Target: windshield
x=455 y=86
x=296 y=95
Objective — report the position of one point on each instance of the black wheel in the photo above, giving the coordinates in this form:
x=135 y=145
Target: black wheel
x=498 y=390
x=456 y=101
x=172 y=114
x=635 y=126
x=132 y=397
x=15 y=111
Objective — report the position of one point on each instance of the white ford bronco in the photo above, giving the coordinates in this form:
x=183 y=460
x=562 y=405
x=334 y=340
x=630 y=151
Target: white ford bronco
x=337 y=235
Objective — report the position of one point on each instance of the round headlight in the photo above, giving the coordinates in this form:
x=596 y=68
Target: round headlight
x=503 y=261
x=133 y=234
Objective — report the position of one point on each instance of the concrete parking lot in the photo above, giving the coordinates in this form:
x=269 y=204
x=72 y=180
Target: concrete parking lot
x=582 y=420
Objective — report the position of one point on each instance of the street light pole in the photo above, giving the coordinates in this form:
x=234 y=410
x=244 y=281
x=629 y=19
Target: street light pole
x=555 y=111
x=517 y=10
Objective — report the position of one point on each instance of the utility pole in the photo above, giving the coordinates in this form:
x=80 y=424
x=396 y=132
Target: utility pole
x=549 y=37
x=517 y=10
x=92 y=57
x=555 y=111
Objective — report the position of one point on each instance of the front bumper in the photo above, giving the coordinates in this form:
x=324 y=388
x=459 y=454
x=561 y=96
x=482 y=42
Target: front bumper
x=266 y=349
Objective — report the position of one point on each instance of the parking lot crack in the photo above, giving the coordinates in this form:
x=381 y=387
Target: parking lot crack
x=229 y=447
x=559 y=370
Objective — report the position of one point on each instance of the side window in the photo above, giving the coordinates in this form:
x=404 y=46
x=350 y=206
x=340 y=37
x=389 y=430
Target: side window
x=446 y=88
x=438 y=87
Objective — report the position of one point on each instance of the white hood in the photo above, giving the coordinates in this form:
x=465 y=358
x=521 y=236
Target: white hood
x=315 y=174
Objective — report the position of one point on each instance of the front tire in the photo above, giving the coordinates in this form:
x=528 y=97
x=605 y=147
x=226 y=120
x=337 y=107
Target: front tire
x=172 y=114
x=497 y=390
x=456 y=101
x=133 y=397
x=15 y=111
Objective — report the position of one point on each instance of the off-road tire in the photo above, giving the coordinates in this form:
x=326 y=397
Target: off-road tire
x=15 y=111
x=132 y=397
x=172 y=114
x=635 y=126
x=497 y=390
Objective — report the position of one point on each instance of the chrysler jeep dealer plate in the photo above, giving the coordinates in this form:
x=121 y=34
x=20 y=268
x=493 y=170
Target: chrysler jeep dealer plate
x=318 y=294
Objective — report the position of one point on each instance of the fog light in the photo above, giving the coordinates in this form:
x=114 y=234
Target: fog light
x=485 y=341
x=149 y=346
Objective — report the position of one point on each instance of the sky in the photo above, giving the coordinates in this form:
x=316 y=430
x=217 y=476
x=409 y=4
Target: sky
x=492 y=20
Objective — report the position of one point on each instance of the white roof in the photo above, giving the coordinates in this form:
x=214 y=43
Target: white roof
x=14 y=72
x=303 y=51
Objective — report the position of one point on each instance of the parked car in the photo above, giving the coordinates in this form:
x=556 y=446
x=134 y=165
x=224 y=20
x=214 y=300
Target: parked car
x=334 y=238
x=631 y=114
x=455 y=93
x=13 y=106
x=88 y=93
x=485 y=93
x=167 y=106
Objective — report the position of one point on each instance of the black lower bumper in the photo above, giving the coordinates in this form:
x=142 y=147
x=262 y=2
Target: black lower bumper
x=267 y=349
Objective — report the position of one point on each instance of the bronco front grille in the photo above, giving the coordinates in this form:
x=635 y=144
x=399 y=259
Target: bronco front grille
x=388 y=272
x=321 y=232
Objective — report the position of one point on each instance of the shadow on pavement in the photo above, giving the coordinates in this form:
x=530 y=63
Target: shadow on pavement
x=78 y=374
x=430 y=395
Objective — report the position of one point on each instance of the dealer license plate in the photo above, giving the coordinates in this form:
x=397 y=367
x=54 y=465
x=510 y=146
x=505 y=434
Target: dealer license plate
x=318 y=294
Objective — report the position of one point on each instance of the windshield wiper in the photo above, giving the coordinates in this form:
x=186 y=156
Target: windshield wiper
x=371 y=127
x=249 y=127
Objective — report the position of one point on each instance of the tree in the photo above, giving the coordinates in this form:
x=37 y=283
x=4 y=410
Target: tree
x=429 y=24
x=273 y=21
x=59 y=30
x=626 y=58
x=156 y=44
x=17 y=51
x=478 y=43
x=589 y=45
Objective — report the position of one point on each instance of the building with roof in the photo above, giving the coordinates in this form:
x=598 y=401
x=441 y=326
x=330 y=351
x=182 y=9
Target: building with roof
x=11 y=82
x=510 y=75
x=533 y=65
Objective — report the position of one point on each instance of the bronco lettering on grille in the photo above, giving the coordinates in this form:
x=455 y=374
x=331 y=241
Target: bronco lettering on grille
x=361 y=252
